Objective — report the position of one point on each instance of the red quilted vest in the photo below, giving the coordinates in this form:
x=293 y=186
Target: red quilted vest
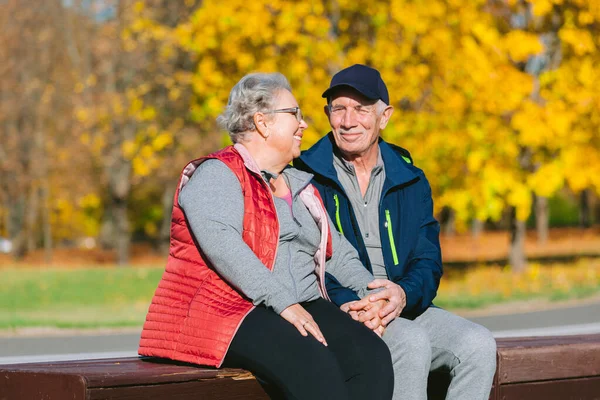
x=194 y=314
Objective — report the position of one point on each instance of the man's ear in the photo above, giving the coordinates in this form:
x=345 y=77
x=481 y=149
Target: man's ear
x=260 y=121
x=385 y=116
x=326 y=110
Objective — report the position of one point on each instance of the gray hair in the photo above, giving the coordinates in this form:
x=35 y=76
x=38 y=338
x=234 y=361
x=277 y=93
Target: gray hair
x=380 y=107
x=253 y=93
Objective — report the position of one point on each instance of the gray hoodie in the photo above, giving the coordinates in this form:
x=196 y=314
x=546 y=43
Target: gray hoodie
x=214 y=207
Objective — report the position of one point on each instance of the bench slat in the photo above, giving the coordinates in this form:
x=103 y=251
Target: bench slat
x=223 y=389
x=24 y=385
x=128 y=371
x=560 y=367
x=570 y=389
x=541 y=359
x=538 y=341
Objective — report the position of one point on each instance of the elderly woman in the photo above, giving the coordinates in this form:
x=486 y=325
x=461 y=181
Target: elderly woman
x=250 y=245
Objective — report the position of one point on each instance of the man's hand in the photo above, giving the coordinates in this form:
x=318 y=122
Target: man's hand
x=393 y=294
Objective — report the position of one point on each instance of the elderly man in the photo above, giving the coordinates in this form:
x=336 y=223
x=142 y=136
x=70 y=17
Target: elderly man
x=382 y=204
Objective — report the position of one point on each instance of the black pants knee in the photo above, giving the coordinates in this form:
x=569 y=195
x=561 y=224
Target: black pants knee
x=356 y=364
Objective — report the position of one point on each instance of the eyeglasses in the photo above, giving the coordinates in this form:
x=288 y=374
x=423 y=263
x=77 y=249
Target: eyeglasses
x=294 y=110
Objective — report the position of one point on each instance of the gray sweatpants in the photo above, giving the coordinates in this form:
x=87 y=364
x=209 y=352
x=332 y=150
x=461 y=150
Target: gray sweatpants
x=440 y=340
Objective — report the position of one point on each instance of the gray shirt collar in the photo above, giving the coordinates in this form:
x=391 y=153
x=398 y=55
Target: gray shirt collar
x=349 y=167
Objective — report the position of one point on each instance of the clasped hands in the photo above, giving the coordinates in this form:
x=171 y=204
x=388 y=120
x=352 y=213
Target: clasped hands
x=377 y=310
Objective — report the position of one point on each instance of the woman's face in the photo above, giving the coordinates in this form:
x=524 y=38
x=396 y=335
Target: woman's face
x=285 y=132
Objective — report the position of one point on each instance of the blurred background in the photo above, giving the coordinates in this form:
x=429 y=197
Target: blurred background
x=102 y=102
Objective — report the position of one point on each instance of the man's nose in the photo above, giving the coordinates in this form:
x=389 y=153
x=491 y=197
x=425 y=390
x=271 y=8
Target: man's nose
x=349 y=119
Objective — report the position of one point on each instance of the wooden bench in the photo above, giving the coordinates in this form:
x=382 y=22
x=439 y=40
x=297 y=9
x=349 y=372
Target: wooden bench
x=558 y=367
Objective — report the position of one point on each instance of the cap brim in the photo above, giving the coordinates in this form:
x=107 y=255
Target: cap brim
x=365 y=92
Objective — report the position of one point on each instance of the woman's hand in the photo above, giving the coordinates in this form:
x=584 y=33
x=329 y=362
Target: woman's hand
x=303 y=321
x=366 y=312
x=346 y=308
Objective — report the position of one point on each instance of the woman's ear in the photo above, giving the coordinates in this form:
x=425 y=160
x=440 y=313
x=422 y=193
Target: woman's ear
x=260 y=121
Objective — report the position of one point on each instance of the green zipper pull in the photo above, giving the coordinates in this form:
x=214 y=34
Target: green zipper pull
x=337 y=213
x=388 y=223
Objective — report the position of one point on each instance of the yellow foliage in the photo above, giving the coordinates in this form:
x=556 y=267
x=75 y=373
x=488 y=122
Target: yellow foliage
x=163 y=140
x=467 y=105
x=140 y=168
x=129 y=148
x=536 y=279
x=138 y=7
x=547 y=180
x=91 y=201
x=135 y=106
x=579 y=40
x=82 y=115
x=520 y=198
x=147 y=114
x=150 y=228
x=541 y=7
x=520 y=45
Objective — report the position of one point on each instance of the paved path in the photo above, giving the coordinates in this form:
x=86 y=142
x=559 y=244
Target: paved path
x=560 y=321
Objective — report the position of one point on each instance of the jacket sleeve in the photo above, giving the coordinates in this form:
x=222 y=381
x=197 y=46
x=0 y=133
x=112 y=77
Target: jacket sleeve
x=424 y=269
x=338 y=294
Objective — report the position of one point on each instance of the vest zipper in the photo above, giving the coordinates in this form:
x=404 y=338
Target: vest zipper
x=388 y=221
x=337 y=213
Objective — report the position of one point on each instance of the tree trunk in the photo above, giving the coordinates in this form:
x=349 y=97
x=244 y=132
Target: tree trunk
x=542 y=217
x=585 y=211
x=47 y=228
x=516 y=256
x=106 y=237
x=31 y=219
x=447 y=221
x=119 y=187
x=476 y=228
x=165 y=228
x=18 y=233
x=595 y=206
x=6 y=220
x=450 y=226
x=123 y=238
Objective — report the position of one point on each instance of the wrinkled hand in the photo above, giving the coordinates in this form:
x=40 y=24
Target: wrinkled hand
x=393 y=294
x=346 y=308
x=366 y=312
x=380 y=330
x=303 y=321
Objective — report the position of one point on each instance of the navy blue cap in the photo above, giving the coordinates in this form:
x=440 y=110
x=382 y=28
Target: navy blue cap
x=366 y=80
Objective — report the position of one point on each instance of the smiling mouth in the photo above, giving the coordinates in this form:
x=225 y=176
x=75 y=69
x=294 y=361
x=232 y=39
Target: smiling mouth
x=297 y=137
x=351 y=136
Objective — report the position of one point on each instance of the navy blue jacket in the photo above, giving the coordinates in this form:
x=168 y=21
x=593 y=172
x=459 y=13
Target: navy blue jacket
x=409 y=233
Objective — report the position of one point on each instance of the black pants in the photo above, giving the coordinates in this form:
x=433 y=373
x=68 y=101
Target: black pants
x=356 y=364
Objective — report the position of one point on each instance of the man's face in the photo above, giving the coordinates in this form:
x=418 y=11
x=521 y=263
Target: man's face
x=355 y=122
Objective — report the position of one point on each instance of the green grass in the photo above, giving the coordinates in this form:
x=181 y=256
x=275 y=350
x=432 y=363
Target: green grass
x=76 y=298
x=106 y=297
